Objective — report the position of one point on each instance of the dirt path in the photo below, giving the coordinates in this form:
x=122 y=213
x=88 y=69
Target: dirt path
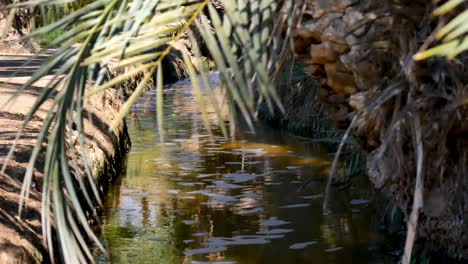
x=15 y=70
x=20 y=239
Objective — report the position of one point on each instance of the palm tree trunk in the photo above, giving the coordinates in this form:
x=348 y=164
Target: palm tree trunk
x=360 y=54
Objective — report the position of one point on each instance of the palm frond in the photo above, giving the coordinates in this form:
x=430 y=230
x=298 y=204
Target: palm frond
x=453 y=35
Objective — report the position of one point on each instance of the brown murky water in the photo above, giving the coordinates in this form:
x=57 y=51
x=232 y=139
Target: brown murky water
x=257 y=199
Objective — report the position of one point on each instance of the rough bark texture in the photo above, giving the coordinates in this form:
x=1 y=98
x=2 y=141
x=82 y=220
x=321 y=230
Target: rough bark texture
x=360 y=54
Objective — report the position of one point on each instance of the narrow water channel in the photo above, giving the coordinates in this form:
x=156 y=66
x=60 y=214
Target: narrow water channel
x=256 y=199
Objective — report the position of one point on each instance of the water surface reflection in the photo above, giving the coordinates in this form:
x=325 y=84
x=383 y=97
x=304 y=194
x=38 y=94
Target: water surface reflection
x=196 y=198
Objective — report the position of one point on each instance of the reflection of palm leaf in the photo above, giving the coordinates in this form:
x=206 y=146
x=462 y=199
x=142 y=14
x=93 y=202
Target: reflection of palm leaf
x=246 y=42
x=454 y=34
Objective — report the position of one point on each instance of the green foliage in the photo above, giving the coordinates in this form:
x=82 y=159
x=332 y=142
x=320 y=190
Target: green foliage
x=47 y=39
x=247 y=42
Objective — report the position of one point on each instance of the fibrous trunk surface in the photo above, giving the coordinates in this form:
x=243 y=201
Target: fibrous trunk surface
x=360 y=54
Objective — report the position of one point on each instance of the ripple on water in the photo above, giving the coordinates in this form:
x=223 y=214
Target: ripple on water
x=333 y=249
x=199 y=251
x=300 y=205
x=212 y=262
x=275 y=231
x=189 y=222
x=200 y=234
x=302 y=245
x=220 y=189
x=225 y=185
x=359 y=202
x=251 y=211
x=235 y=241
x=274 y=221
x=239 y=177
x=219 y=197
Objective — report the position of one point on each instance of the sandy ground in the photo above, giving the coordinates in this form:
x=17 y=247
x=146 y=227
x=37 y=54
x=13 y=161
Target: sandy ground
x=20 y=239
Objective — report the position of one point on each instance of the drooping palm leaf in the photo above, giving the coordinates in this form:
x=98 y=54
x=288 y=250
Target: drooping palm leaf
x=246 y=42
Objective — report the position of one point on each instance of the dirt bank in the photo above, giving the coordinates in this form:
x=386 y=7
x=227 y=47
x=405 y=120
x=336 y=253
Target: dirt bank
x=21 y=239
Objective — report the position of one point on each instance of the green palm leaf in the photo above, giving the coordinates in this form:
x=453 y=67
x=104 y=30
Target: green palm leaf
x=452 y=34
